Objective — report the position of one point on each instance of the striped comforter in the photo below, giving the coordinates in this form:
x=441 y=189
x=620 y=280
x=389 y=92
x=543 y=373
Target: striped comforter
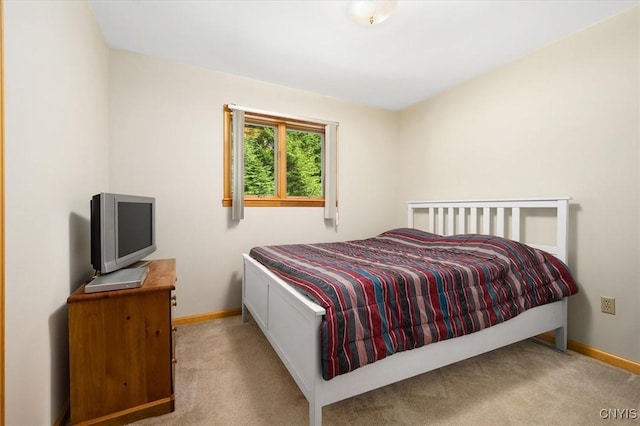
x=406 y=288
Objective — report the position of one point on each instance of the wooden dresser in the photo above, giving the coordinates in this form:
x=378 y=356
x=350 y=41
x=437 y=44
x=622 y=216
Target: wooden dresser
x=121 y=350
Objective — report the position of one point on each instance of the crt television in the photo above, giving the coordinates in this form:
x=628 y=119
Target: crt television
x=122 y=230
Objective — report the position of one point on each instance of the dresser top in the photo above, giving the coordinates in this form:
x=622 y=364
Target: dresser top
x=161 y=277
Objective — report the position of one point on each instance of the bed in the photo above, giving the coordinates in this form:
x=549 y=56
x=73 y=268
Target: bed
x=295 y=324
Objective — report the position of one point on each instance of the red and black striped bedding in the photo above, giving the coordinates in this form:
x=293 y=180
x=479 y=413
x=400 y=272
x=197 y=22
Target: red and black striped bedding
x=406 y=288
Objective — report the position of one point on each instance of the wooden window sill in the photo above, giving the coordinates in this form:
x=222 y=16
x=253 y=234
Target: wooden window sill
x=276 y=202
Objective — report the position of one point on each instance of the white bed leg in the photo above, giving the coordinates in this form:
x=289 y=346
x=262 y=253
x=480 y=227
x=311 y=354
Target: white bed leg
x=244 y=314
x=561 y=332
x=561 y=339
x=315 y=414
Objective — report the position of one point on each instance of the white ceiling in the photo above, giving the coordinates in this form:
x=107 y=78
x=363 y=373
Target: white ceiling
x=425 y=48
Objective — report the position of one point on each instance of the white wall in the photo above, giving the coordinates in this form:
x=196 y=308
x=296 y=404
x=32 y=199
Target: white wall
x=166 y=126
x=562 y=121
x=56 y=66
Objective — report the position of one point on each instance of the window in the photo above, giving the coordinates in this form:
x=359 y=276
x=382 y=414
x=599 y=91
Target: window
x=283 y=161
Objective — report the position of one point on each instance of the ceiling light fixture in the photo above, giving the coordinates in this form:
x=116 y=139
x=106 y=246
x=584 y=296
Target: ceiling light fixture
x=371 y=12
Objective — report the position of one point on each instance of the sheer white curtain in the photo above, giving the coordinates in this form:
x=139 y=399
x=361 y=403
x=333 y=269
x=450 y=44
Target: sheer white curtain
x=330 y=158
x=237 y=139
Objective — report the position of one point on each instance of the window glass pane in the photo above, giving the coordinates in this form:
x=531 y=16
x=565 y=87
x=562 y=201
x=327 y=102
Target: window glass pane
x=259 y=160
x=304 y=164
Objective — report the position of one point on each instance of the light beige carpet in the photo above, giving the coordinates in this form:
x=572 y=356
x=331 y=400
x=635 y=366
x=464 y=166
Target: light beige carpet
x=227 y=374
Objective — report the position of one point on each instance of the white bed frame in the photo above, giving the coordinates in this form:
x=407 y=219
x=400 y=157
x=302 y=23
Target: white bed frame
x=291 y=322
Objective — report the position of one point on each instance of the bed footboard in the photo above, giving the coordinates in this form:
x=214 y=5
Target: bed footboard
x=291 y=323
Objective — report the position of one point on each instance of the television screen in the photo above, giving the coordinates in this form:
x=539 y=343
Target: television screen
x=134 y=227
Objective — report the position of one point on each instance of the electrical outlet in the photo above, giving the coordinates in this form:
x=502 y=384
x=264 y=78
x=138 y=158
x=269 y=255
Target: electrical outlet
x=608 y=305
